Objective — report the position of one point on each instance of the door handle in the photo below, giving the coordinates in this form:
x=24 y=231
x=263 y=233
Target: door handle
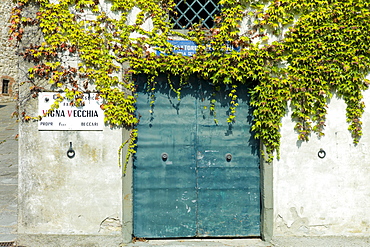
x=164 y=156
x=228 y=157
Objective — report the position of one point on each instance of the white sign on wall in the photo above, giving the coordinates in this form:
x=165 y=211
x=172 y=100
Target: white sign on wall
x=69 y=117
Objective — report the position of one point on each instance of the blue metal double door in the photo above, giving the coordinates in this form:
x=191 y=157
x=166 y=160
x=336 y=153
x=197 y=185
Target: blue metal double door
x=193 y=177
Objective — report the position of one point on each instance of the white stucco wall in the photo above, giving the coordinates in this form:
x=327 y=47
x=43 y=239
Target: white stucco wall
x=69 y=196
x=329 y=196
x=61 y=196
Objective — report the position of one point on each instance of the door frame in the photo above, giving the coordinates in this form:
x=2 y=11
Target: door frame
x=267 y=202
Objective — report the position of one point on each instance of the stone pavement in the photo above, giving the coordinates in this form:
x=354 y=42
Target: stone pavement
x=8 y=173
x=324 y=241
x=201 y=242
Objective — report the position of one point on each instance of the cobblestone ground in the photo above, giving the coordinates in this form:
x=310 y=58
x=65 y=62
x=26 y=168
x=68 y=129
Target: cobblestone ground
x=8 y=173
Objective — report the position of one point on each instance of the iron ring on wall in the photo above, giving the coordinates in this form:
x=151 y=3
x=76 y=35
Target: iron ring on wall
x=321 y=154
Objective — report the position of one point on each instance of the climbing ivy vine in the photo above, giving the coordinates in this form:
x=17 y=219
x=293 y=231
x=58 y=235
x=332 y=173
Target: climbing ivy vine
x=298 y=51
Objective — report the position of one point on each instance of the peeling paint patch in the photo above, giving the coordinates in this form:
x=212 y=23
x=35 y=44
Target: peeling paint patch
x=128 y=197
x=300 y=224
x=110 y=225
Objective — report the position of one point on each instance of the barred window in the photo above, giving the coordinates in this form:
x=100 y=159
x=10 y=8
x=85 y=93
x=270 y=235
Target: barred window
x=5 y=87
x=189 y=12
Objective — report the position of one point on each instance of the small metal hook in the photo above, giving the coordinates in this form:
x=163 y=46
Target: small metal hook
x=321 y=153
x=71 y=153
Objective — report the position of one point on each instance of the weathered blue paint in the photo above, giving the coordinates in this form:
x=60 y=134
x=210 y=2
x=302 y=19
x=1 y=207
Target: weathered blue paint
x=196 y=191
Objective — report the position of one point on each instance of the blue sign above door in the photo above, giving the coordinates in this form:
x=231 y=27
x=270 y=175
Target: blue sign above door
x=189 y=48
x=184 y=47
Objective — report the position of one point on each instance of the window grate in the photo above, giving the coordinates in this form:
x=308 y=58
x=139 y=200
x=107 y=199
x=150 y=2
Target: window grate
x=7 y=244
x=5 y=89
x=189 y=12
x=10 y=244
